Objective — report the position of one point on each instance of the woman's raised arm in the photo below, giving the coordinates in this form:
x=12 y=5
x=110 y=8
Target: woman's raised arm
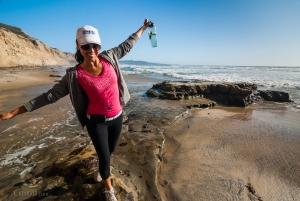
x=143 y=28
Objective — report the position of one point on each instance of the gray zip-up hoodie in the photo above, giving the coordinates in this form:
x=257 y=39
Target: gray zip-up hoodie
x=69 y=84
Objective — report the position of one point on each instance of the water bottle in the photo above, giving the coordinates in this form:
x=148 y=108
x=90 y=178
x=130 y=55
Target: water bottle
x=152 y=34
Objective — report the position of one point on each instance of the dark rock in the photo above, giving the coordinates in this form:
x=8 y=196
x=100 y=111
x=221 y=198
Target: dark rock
x=234 y=89
x=276 y=96
x=223 y=89
x=235 y=94
x=204 y=105
x=171 y=95
x=203 y=89
x=152 y=93
x=168 y=87
x=123 y=144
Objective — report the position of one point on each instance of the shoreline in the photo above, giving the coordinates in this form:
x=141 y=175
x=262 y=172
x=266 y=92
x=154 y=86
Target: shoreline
x=15 y=78
x=204 y=140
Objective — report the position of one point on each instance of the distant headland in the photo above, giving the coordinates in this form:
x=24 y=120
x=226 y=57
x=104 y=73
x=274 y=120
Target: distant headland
x=141 y=63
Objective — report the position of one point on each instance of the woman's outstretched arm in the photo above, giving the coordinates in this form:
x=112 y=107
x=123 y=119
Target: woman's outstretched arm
x=13 y=113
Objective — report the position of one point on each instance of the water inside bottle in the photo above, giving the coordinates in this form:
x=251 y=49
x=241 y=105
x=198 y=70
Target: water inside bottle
x=152 y=36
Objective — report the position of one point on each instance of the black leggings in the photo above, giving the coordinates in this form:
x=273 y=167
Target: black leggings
x=105 y=137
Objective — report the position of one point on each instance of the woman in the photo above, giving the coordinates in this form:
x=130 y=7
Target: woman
x=98 y=92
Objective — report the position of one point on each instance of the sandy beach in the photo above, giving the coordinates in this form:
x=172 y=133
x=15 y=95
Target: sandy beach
x=222 y=153
x=233 y=154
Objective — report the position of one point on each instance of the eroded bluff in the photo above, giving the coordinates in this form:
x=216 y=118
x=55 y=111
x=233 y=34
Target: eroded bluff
x=19 y=49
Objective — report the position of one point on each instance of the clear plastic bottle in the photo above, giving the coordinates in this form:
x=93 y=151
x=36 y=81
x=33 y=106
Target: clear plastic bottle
x=152 y=34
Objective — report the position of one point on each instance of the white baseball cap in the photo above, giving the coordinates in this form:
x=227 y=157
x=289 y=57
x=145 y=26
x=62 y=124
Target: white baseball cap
x=87 y=34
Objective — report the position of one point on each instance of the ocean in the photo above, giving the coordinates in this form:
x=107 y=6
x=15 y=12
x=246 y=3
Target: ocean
x=265 y=77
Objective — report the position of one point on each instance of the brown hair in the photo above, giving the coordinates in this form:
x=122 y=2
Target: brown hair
x=78 y=56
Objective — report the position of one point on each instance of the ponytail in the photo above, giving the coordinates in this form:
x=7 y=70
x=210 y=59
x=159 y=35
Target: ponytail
x=78 y=57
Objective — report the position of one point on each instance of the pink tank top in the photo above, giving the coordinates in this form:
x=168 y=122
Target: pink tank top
x=102 y=90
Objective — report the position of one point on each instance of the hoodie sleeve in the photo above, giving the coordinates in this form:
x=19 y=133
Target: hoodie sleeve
x=58 y=91
x=121 y=50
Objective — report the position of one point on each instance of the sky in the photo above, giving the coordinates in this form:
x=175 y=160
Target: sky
x=190 y=32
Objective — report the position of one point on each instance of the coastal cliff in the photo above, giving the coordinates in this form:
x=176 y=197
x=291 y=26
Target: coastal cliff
x=19 y=49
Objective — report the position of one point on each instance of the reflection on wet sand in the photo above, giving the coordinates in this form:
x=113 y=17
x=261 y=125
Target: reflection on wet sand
x=228 y=153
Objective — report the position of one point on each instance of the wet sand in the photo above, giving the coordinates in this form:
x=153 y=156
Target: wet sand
x=42 y=135
x=12 y=78
x=224 y=153
x=233 y=154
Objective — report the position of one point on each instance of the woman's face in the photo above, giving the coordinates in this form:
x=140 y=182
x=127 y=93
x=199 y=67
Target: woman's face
x=89 y=51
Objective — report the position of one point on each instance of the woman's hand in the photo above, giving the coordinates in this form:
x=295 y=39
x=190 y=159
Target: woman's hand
x=13 y=113
x=6 y=115
x=143 y=28
x=146 y=22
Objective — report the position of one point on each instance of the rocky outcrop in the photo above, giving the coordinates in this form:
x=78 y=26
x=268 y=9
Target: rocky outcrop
x=235 y=94
x=276 y=96
x=133 y=164
x=19 y=49
x=133 y=177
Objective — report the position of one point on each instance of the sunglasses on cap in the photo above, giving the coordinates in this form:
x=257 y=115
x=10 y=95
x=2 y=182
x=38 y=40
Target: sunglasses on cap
x=87 y=46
